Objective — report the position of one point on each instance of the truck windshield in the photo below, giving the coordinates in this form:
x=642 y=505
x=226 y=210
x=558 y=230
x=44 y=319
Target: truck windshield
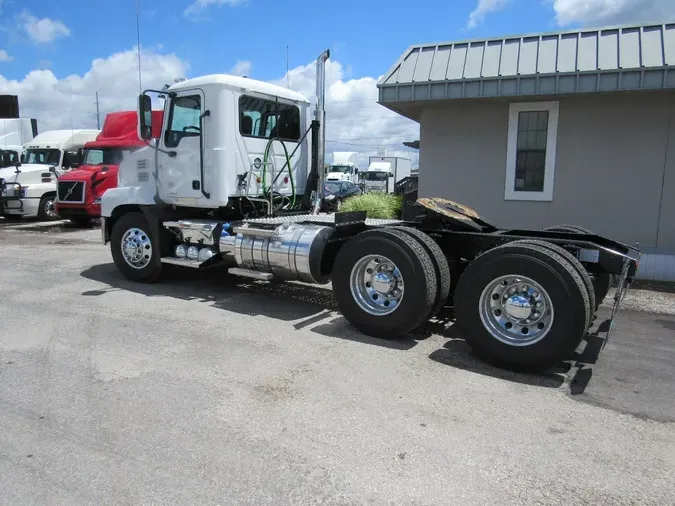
x=43 y=156
x=8 y=158
x=376 y=176
x=104 y=156
x=346 y=169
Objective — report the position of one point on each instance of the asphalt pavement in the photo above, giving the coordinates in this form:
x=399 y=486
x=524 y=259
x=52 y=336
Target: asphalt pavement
x=204 y=389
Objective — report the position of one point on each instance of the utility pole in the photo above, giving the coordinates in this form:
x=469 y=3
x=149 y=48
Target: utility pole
x=288 y=76
x=138 y=44
x=98 y=114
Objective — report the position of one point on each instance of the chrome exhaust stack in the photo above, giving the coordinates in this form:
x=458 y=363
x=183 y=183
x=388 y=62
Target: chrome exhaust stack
x=320 y=117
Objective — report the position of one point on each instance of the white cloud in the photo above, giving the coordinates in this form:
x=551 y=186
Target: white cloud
x=484 y=8
x=355 y=122
x=60 y=103
x=241 y=68
x=588 y=12
x=196 y=8
x=4 y=56
x=43 y=30
x=354 y=119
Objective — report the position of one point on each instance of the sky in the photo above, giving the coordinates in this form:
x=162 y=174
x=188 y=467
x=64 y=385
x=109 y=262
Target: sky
x=57 y=54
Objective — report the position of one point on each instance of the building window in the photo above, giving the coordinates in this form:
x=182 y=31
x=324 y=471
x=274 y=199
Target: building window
x=531 y=153
x=268 y=119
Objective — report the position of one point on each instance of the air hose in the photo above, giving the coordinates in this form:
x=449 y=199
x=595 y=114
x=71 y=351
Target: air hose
x=288 y=164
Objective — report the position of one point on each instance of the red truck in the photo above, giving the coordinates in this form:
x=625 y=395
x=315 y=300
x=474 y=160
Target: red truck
x=80 y=190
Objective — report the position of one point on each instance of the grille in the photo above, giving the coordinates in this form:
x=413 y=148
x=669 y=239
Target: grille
x=71 y=191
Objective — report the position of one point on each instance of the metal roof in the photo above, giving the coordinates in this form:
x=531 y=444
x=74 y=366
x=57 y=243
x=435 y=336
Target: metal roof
x=631 y=57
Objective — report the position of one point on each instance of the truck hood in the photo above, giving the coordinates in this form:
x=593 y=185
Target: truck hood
x=86 y=172
x=9 y=173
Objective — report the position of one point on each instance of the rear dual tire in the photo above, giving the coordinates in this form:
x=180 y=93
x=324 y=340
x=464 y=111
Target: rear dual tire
x=522 y=307
x=601 y=281
x=385 y=282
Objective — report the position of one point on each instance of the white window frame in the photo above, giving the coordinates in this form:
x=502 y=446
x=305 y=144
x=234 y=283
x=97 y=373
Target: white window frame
x=546 y=195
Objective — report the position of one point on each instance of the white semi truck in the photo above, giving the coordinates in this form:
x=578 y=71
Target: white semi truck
x=28 y=188
x=344 y=167
x=14 y=133
x=209 y=193
x=384 y=172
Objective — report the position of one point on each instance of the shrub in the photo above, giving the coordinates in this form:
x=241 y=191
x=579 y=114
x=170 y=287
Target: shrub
x=376 y=205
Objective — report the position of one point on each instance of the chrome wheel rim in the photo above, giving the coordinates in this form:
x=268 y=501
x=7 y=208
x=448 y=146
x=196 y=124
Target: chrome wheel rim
x=377 y=285
x=516 y=310
x=50 y=208
x=136 y=248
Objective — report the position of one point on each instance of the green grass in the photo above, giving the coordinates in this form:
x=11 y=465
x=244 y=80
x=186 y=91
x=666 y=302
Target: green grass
x=376 y=205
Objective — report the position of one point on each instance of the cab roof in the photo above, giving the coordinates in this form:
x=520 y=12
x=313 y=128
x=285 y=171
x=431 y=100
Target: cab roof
x=243 y=84
x=62 y=139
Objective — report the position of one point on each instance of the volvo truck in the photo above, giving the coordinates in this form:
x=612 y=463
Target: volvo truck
x=79 y=191
x=236 y=179
x=28 y=188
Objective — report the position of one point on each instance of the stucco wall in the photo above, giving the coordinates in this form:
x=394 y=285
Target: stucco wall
x=612 y=154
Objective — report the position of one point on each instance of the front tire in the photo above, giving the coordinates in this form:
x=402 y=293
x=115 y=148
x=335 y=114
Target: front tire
x=134 y=250
x=47 y=208
x=384 y=283
x=522 y=307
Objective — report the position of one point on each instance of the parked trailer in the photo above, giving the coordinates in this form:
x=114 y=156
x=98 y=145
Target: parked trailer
x=525 y=299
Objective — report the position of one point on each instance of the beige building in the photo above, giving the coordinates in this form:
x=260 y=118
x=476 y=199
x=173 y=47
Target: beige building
x=563 y=128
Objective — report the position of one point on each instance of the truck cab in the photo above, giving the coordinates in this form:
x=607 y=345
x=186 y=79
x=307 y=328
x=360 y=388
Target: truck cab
x=14 y=133
x=344 y=167
x=376 y=178
x=80 y=190
x=226 y=142
x=29 y=187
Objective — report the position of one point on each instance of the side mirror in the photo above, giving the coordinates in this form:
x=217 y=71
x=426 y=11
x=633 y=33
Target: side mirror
x=52 y=169
x=6 y=159
x=144 y=117
x=391 y=174
x=356 y=171
x=80 y=156
x=22 y=158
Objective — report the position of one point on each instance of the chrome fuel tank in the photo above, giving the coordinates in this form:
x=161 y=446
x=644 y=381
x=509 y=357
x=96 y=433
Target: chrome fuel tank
x=290 y=251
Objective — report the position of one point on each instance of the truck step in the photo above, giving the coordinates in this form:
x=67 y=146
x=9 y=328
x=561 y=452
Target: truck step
x=183 y=262
x=248 y=273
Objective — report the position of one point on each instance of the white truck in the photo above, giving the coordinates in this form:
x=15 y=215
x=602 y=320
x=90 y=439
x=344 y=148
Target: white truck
x=28 y=188
x=14 y=133
x=344 y=167
x=209 y=193
x=384 y=172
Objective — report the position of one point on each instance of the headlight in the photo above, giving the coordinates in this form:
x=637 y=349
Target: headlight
x=330 y=197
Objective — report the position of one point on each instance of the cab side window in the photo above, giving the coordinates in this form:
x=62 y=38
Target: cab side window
x=184 y=120
x=267 y=119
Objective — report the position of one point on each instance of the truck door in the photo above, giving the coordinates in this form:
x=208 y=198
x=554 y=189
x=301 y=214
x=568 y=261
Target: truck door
x=182 y=167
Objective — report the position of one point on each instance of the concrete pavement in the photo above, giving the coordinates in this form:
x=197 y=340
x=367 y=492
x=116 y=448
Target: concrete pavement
x=223 y=391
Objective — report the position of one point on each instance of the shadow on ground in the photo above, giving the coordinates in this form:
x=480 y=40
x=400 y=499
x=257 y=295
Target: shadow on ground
x=577 y=371
x=314 y=308
x=311 y=304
